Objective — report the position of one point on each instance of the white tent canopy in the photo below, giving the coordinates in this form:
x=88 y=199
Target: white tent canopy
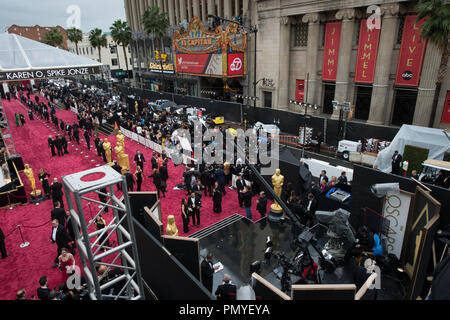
x=434 y=140
x=24 y=58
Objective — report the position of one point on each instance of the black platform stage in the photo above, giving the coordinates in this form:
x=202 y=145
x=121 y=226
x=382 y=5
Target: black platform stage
x=240 y=243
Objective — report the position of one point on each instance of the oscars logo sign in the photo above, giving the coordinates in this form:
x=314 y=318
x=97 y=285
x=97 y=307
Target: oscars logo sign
x=74 y=20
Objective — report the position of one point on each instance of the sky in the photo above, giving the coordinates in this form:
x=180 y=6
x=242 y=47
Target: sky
x=92 y=13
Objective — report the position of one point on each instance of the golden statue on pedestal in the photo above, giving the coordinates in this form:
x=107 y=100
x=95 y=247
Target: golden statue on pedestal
x=29 y=174
x=277 y=182
x=120 y=139
x=171 y=227
x=122 y=158
x=107 y=147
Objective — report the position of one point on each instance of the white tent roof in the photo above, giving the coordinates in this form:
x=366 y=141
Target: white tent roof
x=434 y=140
x=22 y=54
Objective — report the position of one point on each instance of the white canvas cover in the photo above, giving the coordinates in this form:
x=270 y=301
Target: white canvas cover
x=434 y=140
x=19 y=53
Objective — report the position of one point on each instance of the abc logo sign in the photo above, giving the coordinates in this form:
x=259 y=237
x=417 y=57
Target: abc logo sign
x=236 y=65
x=407 y=75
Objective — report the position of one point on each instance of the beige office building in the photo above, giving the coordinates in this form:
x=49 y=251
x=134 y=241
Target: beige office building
x=291 y=43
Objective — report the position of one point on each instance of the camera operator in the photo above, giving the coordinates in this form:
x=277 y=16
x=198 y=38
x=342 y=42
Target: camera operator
x=364 y=242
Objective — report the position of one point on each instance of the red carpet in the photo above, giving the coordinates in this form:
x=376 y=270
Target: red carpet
x=24 y=267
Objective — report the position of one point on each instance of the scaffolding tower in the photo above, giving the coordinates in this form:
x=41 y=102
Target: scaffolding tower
x=5 y=131
x=91 y=243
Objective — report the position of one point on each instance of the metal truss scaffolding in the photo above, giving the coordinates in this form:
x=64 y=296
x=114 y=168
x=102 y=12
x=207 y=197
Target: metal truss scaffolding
x=92 y=243
x=5 y=131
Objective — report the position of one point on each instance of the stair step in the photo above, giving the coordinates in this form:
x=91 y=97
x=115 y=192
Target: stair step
x=216 y=226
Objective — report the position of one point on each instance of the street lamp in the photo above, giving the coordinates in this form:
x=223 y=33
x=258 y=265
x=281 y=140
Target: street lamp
x=343 y=108
x=306 y=106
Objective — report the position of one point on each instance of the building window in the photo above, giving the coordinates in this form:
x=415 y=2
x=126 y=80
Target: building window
x=358 y=31
x=114 y=62
x=267 y=99
x=301 y=35
x=113 y=50
x=401 y=24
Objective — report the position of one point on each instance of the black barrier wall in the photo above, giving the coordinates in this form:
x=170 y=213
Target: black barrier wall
x=163 y=273
x=289 y=122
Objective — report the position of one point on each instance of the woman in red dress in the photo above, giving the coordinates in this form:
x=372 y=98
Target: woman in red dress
x=66 y=263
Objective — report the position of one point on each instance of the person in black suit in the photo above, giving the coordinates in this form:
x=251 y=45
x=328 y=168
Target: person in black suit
x=240 y=184
x=88 y=141
x=139 y=159
x=59 y=214
x=130 y=180
x=227 y=290
x=61 y=238
x=64 y=144
x=97 y=145
x=59 y=146
x=205 y=178
x=219 y=176
x=217 y=198
x=164 y=176
x=76 y=133
x=43 y=292
x=118 y=168
x=194 y=205
x=102 y=151
x=51 y=145
x=207 y=270
x=396 y=162
x=319 y=139
x=2 y=245
x=57 y=193
x=69 y=131
x=310 y=209
x=323 y=176
x=261 y=204
x=197 y=188
x=154 y=162
x=69 y=228
x=157 y=182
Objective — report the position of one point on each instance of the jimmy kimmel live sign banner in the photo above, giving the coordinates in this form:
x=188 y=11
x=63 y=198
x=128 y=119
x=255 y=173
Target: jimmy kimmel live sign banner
x=367 y=53
x=331 y=51
x=411 y=53
x=48 y=73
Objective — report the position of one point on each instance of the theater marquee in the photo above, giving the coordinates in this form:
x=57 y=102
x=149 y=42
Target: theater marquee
x=219 y=53
x=48 y=73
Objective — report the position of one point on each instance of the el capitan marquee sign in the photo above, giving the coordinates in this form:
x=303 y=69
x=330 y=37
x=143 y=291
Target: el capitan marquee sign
x=48 y=73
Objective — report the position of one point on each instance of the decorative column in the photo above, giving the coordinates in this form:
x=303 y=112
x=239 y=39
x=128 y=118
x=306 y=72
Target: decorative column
x=379 y=100
x=345 y=52
x=128 y=12
x=177 y=11
x=228 y=9
x=313 y=20
x=183 y=10
x=237 y=7
x=427 y=85
x=284 y=57
x=204 y=14
x=197 y=9
x=160 y=5
x=245 y=7
x=172 y=12
x=211 y=7
x=189 y=9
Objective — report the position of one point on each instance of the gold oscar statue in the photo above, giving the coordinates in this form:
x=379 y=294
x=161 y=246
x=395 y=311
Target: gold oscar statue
x=107 y=148
x=29 y=174
x=171 y=227
x=122 y=158
x=277 y=182
x=120 y=139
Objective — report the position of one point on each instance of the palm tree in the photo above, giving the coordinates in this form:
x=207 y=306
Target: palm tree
x=436 y=29
x=155 y=22
x=121 y=34
x=53 y=37
x=75 y=35
x=98 y=40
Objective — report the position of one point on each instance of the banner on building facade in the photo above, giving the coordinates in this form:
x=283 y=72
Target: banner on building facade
x=214 y=53
x=411 y=53
x=366 y=59
x=48 y=73
x=446 y=112
x=331 y=51
x=300 y=92
x=156 y=67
